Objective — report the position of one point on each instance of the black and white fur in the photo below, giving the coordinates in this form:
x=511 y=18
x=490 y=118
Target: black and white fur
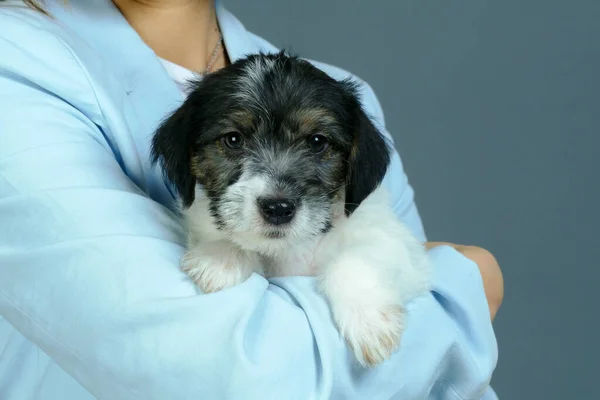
x=279 y=170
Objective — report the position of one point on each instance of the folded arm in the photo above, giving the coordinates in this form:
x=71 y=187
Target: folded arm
x=89 y=268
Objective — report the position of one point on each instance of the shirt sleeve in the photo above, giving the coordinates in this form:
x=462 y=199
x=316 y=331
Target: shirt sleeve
x=457 y=289
x=89 y=273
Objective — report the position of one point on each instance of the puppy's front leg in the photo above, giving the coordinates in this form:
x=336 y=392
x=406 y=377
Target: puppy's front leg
x=218 y=265
x=371 y=267
x=365 y=308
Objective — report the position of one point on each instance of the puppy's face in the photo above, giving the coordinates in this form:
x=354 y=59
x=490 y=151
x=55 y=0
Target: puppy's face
x=276 y=147
x=273 y=176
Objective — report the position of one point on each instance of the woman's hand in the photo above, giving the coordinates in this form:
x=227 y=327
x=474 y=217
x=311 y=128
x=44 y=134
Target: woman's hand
x=493 y=281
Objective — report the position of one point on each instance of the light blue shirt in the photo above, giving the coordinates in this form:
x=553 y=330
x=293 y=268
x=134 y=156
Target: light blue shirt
x=92 y=302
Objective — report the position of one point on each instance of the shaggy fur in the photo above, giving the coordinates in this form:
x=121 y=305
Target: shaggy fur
x=279 y=170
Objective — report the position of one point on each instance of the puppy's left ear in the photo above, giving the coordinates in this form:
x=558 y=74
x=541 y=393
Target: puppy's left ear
x=172 y=147
x=368 y=162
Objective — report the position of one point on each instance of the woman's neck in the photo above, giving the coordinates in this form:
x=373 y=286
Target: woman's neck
x=184 y=32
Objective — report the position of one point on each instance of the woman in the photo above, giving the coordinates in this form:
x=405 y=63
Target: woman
x=92 y=301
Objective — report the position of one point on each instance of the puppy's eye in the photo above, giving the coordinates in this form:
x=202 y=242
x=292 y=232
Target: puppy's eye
x=233 y=140
x=318 y=143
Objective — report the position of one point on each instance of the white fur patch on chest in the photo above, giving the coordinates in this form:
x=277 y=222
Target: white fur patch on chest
x=295 y=260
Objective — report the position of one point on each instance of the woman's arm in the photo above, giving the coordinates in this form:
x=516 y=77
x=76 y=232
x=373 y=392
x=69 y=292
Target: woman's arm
x=490 y=275
x=405 y=207
x=493 y=281
x=90 y=274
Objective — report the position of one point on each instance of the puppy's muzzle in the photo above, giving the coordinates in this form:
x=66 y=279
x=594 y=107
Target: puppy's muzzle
x=277 y=211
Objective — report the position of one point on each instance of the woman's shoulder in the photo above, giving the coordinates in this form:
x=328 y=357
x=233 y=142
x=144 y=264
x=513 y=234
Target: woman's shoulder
x=39 y=51
x=28 y=31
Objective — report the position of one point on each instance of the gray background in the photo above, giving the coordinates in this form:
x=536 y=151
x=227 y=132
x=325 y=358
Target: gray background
x=496 y=112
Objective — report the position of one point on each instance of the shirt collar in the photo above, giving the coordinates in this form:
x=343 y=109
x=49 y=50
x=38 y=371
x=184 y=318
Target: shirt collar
x=100 y=24
x=238 y=41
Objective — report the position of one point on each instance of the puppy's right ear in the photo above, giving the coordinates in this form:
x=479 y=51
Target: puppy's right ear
x=172 y=148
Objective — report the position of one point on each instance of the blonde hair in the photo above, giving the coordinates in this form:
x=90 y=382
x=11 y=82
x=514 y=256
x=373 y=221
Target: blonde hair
x=37 y=5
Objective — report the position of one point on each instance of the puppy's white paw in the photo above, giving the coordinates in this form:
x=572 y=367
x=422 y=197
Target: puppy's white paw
x=366 y=304
x=218 y=265
x=373 y=333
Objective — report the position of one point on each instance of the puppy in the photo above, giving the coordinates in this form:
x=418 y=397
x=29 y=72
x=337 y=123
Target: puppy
x=279 y=169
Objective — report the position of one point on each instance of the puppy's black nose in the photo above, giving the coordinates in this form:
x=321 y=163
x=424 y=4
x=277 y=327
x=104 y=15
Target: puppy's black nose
x=277 y=211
